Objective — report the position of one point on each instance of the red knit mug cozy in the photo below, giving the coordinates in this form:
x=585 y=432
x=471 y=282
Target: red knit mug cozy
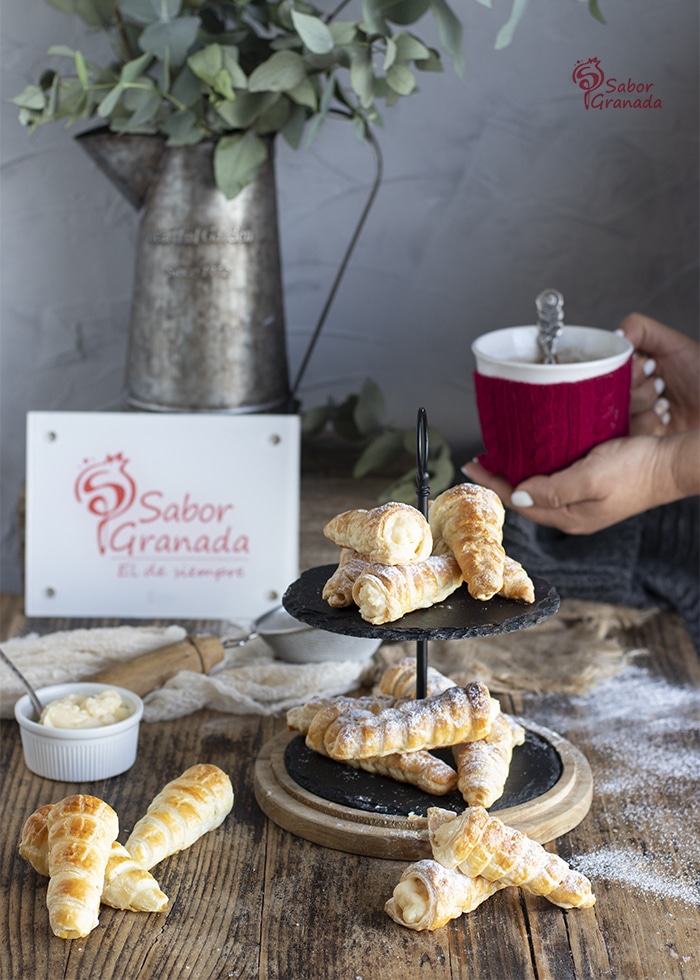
x=532 y=428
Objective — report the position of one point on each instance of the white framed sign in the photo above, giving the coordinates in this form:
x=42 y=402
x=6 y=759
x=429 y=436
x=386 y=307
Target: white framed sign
x=148 y=515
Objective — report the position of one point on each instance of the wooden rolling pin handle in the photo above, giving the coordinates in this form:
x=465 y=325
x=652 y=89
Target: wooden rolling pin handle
x=151 y=670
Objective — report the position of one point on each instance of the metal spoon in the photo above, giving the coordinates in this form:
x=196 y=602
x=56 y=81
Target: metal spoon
x=38 y=706
x=550 y=314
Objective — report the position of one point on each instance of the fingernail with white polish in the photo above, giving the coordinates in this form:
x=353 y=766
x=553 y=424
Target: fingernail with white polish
x=661 y=406
x=649 y=367
x=521 y=498
x=666 y=418
x=619 y=333
x=659 y=385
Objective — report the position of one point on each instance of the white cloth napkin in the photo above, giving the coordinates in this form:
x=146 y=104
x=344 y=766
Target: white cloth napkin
x=248 y=681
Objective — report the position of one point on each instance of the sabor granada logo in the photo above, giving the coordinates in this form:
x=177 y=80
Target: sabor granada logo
x=600 y=92
x=146 y=524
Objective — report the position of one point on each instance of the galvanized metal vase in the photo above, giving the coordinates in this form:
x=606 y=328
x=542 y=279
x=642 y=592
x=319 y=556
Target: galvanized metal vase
x=207 y=328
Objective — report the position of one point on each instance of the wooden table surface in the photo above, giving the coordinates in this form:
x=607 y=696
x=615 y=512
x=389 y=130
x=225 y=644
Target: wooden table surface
x=251 y=900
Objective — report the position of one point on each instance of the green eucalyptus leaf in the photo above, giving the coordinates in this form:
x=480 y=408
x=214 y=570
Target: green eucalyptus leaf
x=231 y=63
x=222 y=85
x=61 y=51
x=109 y=103
x=343 y=32
x=279 y=73
x=370 y=408
x=246 y=109
x=442 y=471
x=81 y=69
x=186 y=88
x=505 y=34
x=402 y=490
x=170 y=39
x=144 y=103
x=372 y=18
x=293 y=130
x=313 y=32
x=404 y=11
x=237 y=161
x=142 y=11
x=400 y=79
x=409 y=48
x=182 y=128
x=595 y=11
x=361 y=74
x=485 y=3
x=274 y=118
x=390 y=54
x=32 y=97
x=450 y=32
x=304 y=94
x=432 y=63
x=133 y=69
x=379 y=453
x=207 y=62
x=344 y=420
x=314 y=420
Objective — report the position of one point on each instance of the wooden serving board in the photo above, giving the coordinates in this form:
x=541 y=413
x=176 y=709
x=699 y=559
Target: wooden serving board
x=405 y=836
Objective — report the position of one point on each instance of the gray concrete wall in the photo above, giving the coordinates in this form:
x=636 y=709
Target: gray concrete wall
x=496 y=186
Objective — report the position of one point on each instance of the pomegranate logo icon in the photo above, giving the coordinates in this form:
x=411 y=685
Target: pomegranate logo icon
x=589 y=76
x=107 y=490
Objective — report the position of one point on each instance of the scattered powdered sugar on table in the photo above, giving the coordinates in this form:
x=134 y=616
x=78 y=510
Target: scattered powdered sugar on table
x=641 y=736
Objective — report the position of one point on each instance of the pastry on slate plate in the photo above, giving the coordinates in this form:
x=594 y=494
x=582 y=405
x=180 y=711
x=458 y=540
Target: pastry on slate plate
x=483 y=766
x=81 y=830
x=480 y=844
x=459 y=714
x=469 y=520
x=385 y=593
x=393 y=533
x=399 y=679
x=338 y=589
x=125 y=886
x=428 y=895
x=419 y=768
x=185 y=809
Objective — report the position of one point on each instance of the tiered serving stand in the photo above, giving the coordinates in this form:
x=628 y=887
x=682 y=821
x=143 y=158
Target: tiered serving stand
x=549 y=786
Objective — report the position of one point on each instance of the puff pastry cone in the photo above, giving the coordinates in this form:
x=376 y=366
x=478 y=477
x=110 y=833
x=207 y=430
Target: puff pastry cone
x=399 y=680
x=419 y=768
x=469 y=520
x=483 y=766
x=393 y=533
x=385 y=593
x=428 y=895
x=300 y=718
x=459 y=714
x=81 y=830
x=517 y=584
x=125 y=886
x=185 y=809
x=338 y=589
x=480 y=844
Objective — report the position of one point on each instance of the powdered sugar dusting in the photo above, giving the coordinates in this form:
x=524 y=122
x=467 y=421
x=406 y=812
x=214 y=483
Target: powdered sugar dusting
x=641 y=736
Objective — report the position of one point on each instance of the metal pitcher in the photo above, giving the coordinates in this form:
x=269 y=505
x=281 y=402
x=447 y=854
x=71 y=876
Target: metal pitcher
x=207 y=328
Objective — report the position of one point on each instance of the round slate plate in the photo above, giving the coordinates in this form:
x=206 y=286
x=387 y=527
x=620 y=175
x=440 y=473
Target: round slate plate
x=365 y=826
x=458 y=616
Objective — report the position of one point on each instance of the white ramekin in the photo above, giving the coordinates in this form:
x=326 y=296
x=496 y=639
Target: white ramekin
x=513 y=353
x=78 y=755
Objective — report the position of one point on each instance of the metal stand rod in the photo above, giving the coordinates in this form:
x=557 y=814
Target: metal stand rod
x=422 y=494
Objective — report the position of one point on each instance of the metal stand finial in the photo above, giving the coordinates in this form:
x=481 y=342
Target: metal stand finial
x=422 y=495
